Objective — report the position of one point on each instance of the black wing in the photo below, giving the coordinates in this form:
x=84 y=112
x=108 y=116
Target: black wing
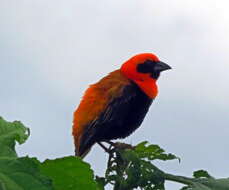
x=122 y=116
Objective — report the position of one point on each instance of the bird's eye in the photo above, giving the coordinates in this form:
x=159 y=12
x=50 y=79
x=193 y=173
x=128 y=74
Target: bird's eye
x=146 y=67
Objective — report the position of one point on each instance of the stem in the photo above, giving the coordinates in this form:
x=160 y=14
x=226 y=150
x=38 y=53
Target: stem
x=175 y=178
x=179 y=179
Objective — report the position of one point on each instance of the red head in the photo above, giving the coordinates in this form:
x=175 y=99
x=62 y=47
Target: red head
x=144 y=69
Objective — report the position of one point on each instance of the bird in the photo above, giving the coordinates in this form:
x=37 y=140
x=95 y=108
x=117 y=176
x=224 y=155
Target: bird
x=115 y=106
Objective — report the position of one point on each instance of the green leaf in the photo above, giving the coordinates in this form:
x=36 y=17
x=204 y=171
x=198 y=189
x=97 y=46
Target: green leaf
x=101 y=181
x=29 y=174
x=22 y=174
x=201 y=174
x=69 y=173
x=18 y=173
x=216 y=184
x=153 y=152
x=129 y=155
x=10 y=133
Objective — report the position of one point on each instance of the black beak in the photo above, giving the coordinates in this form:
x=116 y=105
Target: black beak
x=160 y=66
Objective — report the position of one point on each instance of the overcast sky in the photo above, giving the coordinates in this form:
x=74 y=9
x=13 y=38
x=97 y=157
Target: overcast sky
x=50 y=51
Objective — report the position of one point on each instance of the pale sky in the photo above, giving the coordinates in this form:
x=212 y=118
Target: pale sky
x=50 y=52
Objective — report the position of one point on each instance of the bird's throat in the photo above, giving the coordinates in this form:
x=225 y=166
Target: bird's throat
x=149 y=87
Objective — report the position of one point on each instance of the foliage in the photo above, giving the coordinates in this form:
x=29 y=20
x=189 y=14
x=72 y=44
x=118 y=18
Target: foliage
x=69 y=173
x=24 y=173
x=128 y=167
x=131 y=167
x=203 y=181
x=10 y=133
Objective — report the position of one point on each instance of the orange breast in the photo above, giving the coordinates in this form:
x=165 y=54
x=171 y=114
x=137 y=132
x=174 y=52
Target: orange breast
x=95 y=101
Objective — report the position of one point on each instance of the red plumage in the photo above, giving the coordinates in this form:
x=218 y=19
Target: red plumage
x=116 y=105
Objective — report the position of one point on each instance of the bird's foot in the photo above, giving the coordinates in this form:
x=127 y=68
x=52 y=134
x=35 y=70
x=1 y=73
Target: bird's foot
x=119 y=145
x=115 y=146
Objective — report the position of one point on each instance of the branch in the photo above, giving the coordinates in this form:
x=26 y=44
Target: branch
x=179 y=179
x=130 y=167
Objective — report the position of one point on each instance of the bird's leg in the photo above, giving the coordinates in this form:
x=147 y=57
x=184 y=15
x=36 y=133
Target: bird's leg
x=104 y=148
x=119 y=145
x=110 y=143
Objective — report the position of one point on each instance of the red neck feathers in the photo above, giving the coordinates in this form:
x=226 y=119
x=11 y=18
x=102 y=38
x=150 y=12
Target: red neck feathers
x=148 y=87
x=145 y=82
